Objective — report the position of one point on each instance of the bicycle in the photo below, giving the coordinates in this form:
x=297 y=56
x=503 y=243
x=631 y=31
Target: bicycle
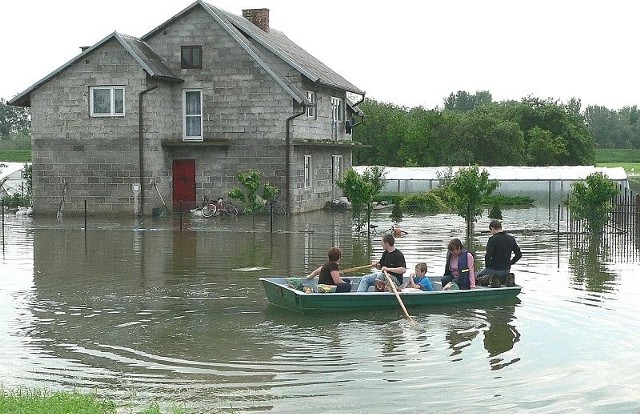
x=209 y=208
x=220 y=206
x=276 y=209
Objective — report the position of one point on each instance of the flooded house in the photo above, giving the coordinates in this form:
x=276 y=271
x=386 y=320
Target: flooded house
x=132 y=122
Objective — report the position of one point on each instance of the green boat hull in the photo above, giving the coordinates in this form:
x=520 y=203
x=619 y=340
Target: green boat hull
x=280 y=294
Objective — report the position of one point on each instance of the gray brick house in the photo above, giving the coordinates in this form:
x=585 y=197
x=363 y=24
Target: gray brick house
x=180 y=110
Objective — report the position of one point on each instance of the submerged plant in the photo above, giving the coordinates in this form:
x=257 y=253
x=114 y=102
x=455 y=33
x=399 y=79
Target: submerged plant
x=251 y=182
x=591 y=201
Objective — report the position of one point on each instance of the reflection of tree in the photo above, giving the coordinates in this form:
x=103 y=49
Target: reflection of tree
x=461 y=335
x=361 y=251
x=460 y=338
x=501 y=335
x=587 y=254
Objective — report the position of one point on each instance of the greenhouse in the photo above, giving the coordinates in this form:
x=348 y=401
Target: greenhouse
x=541 y=183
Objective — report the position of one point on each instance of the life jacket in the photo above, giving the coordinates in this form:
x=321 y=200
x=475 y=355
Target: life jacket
x=463 y=269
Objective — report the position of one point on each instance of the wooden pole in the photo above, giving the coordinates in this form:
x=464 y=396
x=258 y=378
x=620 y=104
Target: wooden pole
x=395 y=291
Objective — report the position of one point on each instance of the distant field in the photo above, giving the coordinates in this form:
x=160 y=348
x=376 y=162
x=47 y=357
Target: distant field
x=15 y=155
x=617 y=156
x=629 y=159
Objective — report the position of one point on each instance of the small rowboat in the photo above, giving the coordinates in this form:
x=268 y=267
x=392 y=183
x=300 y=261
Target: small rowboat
x=281 y=293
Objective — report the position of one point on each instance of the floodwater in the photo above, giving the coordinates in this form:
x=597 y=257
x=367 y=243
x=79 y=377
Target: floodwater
x=142 y=313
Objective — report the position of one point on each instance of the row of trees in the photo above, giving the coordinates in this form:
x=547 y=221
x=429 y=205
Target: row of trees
x=473 y=129
x=466 y=192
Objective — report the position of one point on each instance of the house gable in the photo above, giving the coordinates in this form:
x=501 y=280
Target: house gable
x=142 y=53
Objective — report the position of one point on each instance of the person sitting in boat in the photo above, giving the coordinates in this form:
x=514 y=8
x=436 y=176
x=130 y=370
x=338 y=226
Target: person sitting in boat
x=460 y=267
x=392 y=261
x=330 y=272
x=418 y=281
x=498 y=260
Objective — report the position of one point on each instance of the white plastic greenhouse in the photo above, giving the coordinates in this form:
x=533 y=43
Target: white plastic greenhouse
x=536 y=182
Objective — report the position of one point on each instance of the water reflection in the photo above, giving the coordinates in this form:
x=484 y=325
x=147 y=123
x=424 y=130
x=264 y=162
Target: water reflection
x=162 y=314
x=589 y=253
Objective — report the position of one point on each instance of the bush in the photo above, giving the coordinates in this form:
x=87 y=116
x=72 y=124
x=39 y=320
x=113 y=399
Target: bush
x=423 y=203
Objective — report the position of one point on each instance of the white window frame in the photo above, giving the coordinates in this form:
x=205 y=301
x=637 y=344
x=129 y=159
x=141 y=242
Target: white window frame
x=337 y=109
x=336 y=165
x=308 y=182
x=312 y=110
x=112 y=101
x=186 y=137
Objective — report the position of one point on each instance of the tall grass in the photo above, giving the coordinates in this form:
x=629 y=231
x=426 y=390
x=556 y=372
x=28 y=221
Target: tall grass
x=37 y=401
x=32 y=401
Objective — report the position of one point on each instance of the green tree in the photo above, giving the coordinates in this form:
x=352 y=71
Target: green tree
x=544 y=149
x=383 y=133
x=427 y=134
x=483 y=137
x=566 y=129
x=13 y=120
x=361 y=190
x=591 y=201
x=251 y=182
x=467 y=191
x=463 y=101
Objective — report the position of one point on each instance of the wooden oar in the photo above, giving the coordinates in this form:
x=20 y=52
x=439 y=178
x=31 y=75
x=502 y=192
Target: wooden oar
x=353 y=269
x=395 y=291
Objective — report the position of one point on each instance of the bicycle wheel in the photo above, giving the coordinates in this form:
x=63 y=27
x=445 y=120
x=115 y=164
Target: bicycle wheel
x=230 y=209
x=209 y=210
x=280 y=211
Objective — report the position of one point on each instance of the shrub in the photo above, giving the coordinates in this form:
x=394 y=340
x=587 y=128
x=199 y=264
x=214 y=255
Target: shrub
x=423 y=203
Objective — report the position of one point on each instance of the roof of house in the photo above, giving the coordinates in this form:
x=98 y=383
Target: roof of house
x=280 y=45
x=240 y=30
x=139 y=50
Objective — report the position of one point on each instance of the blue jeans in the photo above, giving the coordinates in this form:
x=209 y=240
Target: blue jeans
x=500 y=273
x=369 y=280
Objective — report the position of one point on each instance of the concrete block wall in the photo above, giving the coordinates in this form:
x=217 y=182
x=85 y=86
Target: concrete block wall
x=97 y=158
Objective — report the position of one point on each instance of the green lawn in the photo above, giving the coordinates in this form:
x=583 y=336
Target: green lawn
x=629 y=159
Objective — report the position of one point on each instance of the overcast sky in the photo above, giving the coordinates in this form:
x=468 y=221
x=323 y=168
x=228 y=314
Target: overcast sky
x=406 y=52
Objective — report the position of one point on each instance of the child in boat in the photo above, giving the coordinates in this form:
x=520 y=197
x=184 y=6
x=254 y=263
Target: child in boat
x=419 y=279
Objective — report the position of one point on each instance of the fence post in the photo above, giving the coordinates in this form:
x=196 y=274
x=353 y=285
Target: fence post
x=271 y=215
x=85 y=214
x=3 y=225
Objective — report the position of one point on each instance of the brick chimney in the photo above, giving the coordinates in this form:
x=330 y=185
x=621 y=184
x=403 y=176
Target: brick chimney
x=259 y=17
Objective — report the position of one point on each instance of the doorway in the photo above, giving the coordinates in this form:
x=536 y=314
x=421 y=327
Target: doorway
x=184 y=185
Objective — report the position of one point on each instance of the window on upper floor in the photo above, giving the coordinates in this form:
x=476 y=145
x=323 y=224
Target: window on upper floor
x=192 y=114
x=336 y=109
x=311 y=109
x=106 y=101
x=307 y=171
x=191 y=57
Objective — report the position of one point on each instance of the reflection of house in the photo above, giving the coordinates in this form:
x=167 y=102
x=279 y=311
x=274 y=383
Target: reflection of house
x=12 y=179
x=183 y=108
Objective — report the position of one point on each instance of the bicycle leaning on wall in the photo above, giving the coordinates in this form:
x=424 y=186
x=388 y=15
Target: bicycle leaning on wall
x=218 y=207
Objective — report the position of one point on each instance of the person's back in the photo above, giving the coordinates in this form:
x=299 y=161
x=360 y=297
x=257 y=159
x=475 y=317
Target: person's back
x=500 y=258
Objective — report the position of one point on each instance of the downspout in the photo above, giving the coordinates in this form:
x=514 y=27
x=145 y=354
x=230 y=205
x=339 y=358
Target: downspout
x=141 y=148
x=288 y=154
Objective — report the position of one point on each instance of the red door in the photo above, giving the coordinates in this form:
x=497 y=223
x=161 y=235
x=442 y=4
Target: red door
x=184 y=184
